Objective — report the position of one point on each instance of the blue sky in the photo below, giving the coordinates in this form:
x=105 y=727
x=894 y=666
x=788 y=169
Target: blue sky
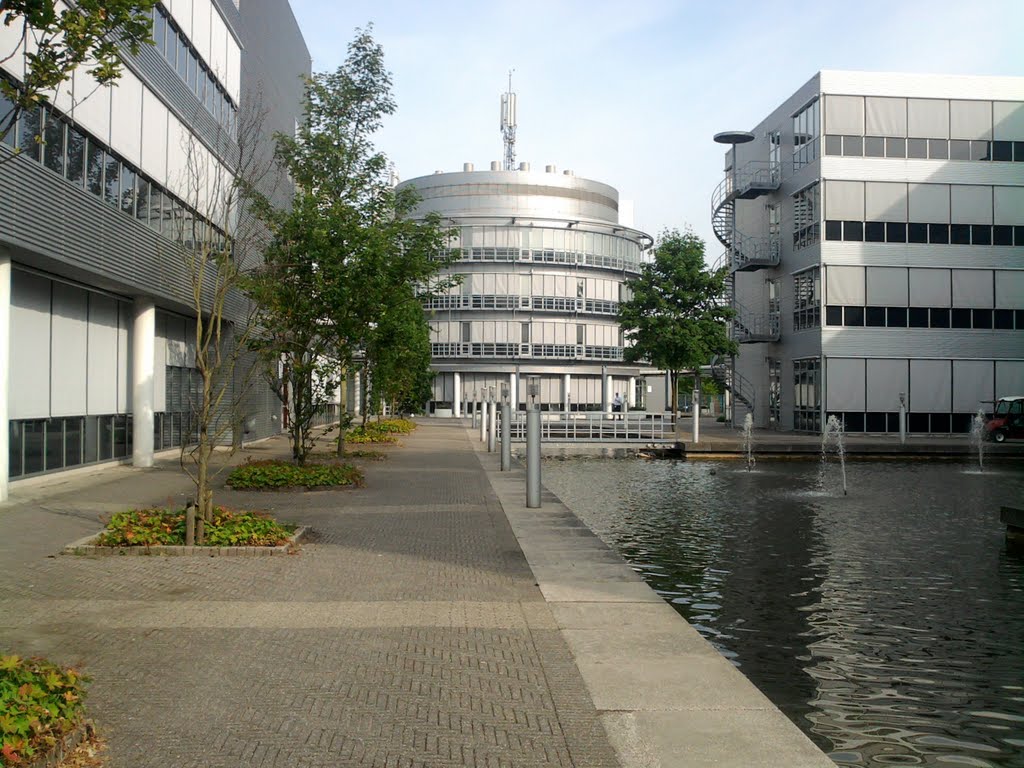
x=630 y=93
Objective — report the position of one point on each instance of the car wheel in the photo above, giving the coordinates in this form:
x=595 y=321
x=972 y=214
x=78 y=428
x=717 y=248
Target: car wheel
x=999 y=436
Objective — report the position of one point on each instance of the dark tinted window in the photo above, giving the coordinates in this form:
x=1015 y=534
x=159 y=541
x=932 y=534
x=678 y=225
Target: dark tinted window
x=97 y=160
x=960 y=234
x=959 y=150
x=917 y=233
x=112 y=181
x=853 y=146
x=940 y=422
x=29 y=127
x=875 y=317
x=980 y=150
x=896 y=317
x=981 y=234
x=853 y=315
x=853 y=230
x=938 y=233
x=961 y=318
x=1018 y=318
x=1003 y=319
x=1018 y=151
x=982 y=318
x=833 y=315
x=1002 y=150
x=833 y=145
x=874 y=232
x=834 y=230
x=917 y=422
x=918 y=317
x=1002 y=234
x=896 y=232
x=53 y=150
x=875 y=422
x=75 y=170
x=1018 y=235
x=939 y=317
x=6 y=114
x=853 y=422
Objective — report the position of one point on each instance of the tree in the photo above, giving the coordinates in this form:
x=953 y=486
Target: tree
x=58 y=39
x=346 y=254
x=676 y=318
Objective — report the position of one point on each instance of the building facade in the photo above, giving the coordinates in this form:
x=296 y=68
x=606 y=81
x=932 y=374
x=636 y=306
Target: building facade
x=874 y=227
x=97 y=330
x=543 y=259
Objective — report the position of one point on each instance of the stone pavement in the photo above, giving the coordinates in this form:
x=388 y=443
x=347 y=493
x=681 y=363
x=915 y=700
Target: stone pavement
x=409 y=632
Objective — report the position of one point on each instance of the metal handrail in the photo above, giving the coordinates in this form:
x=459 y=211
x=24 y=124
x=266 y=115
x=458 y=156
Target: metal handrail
x=593 y=426
x=749 y=325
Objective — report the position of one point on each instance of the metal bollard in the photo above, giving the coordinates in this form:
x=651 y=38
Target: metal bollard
x=483 y=422
x=533 y=458
x=492 y=426
x=506 y=437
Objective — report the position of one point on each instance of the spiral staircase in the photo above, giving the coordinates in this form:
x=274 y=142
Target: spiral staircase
x=744 y=254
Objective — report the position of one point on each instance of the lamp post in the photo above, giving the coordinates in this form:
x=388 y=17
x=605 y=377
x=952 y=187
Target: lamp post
x=903 y=418
x=492 y=419
x=533 y=444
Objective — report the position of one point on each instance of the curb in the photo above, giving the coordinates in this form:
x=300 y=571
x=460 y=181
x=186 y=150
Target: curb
x=85 y=546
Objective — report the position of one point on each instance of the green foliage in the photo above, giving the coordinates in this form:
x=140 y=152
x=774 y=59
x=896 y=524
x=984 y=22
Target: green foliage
x=677 y=314
x=396 y=426
x=88 y=32
x=148 y=527
x=383 y=431
x=270 y=474
x=39 y=703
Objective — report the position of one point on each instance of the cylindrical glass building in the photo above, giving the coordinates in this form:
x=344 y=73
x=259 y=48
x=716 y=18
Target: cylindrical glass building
x=544 y=260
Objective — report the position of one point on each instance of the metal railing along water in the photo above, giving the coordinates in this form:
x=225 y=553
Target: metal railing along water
x=595 y=427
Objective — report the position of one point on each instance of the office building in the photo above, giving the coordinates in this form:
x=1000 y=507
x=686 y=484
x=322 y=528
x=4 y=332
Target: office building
x=544 y=258
x=874 y=226
x=97 y=329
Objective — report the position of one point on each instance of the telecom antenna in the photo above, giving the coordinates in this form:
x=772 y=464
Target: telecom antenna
x=508 y=124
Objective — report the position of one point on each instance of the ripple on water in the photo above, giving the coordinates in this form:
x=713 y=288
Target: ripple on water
x=889 y=624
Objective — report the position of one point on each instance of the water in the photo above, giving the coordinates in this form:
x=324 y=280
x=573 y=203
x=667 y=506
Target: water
x=888 y=624
x=748 y=440
x=978 y=437
x=832 y=439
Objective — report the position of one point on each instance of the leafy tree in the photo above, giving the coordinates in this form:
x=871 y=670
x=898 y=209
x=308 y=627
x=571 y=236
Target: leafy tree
x=92 y=34
x=345 y=255
x=676 y=318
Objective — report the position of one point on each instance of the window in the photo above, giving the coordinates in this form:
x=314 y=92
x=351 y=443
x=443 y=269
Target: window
x=76 y=154
x=806 y=129
x=1002 y=151
x=807 y=395
x=6 y=112
x=938 y=149
x=526 y=333
x=53 y=149
x=853 y=146
x=874 y=146
x=806 y=212
x=917 y=148
x=774 y=390
x=29 y=128
x=895 y=147
x=807 y=299
x=581 y=334
x=112 y=181
x=96 y=162
x=467 y=332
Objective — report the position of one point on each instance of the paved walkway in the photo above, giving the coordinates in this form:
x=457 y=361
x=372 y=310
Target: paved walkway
x=409 y=632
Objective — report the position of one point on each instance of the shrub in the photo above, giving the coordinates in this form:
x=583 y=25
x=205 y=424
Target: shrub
x=146 y=527
x=383 y=431
x=39 y=703
x=273 y=473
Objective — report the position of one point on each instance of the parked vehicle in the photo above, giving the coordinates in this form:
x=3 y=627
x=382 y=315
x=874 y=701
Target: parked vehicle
x=1007 y=420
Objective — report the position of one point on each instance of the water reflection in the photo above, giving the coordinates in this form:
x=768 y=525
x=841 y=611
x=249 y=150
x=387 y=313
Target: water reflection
x=888 y=624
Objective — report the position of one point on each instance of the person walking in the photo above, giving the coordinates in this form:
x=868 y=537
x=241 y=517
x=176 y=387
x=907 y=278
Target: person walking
x=617 y=404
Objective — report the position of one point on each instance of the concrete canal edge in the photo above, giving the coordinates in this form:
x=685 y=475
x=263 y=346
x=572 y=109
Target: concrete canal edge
x=665 y=696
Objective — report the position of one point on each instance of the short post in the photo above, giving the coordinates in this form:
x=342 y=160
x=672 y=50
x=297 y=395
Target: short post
x=483 y=416
x=903 y=418
x=190 y=523
x=474 y=411
x=506 y=430
x=533 y=445
x=492 y=422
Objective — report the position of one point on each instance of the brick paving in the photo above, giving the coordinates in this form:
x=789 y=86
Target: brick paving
x=408 y=632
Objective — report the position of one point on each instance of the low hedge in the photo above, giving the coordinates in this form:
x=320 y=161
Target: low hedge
x=383 y=431
x=272 y=473
x=40 y=702
x=148 y=527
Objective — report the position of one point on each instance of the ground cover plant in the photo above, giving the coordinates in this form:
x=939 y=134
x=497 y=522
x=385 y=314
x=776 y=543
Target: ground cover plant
x=148 y=527
x=382 y=431
x=274 y=473
x=39 y=703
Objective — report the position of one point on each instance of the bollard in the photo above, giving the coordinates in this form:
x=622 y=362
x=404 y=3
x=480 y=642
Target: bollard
x=533 y=458
x=483 y=422
x=492 y=425
x=506 y=437
x=903 y=424
x=695 y=412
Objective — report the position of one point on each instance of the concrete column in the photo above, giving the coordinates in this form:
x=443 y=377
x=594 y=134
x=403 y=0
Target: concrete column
x=5 y=367
x=631 y=393
x=456 y=402
x=357 y=394
x=567 y=392
x=143 y=371
x=608 y=393
x=513 y=391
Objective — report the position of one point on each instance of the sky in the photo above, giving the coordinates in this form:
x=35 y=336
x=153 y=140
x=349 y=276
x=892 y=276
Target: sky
x=631 y=93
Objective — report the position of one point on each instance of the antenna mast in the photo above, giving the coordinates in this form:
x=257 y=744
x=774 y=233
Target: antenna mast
x=508 y=125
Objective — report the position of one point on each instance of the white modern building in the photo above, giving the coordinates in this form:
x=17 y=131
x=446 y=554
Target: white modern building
x=544 y=257
x=97 y=348
x=874 y=224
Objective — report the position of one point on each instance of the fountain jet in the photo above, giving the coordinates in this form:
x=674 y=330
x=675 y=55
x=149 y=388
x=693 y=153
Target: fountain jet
x=978 y=437
x=748 y=440
x=832 y=438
